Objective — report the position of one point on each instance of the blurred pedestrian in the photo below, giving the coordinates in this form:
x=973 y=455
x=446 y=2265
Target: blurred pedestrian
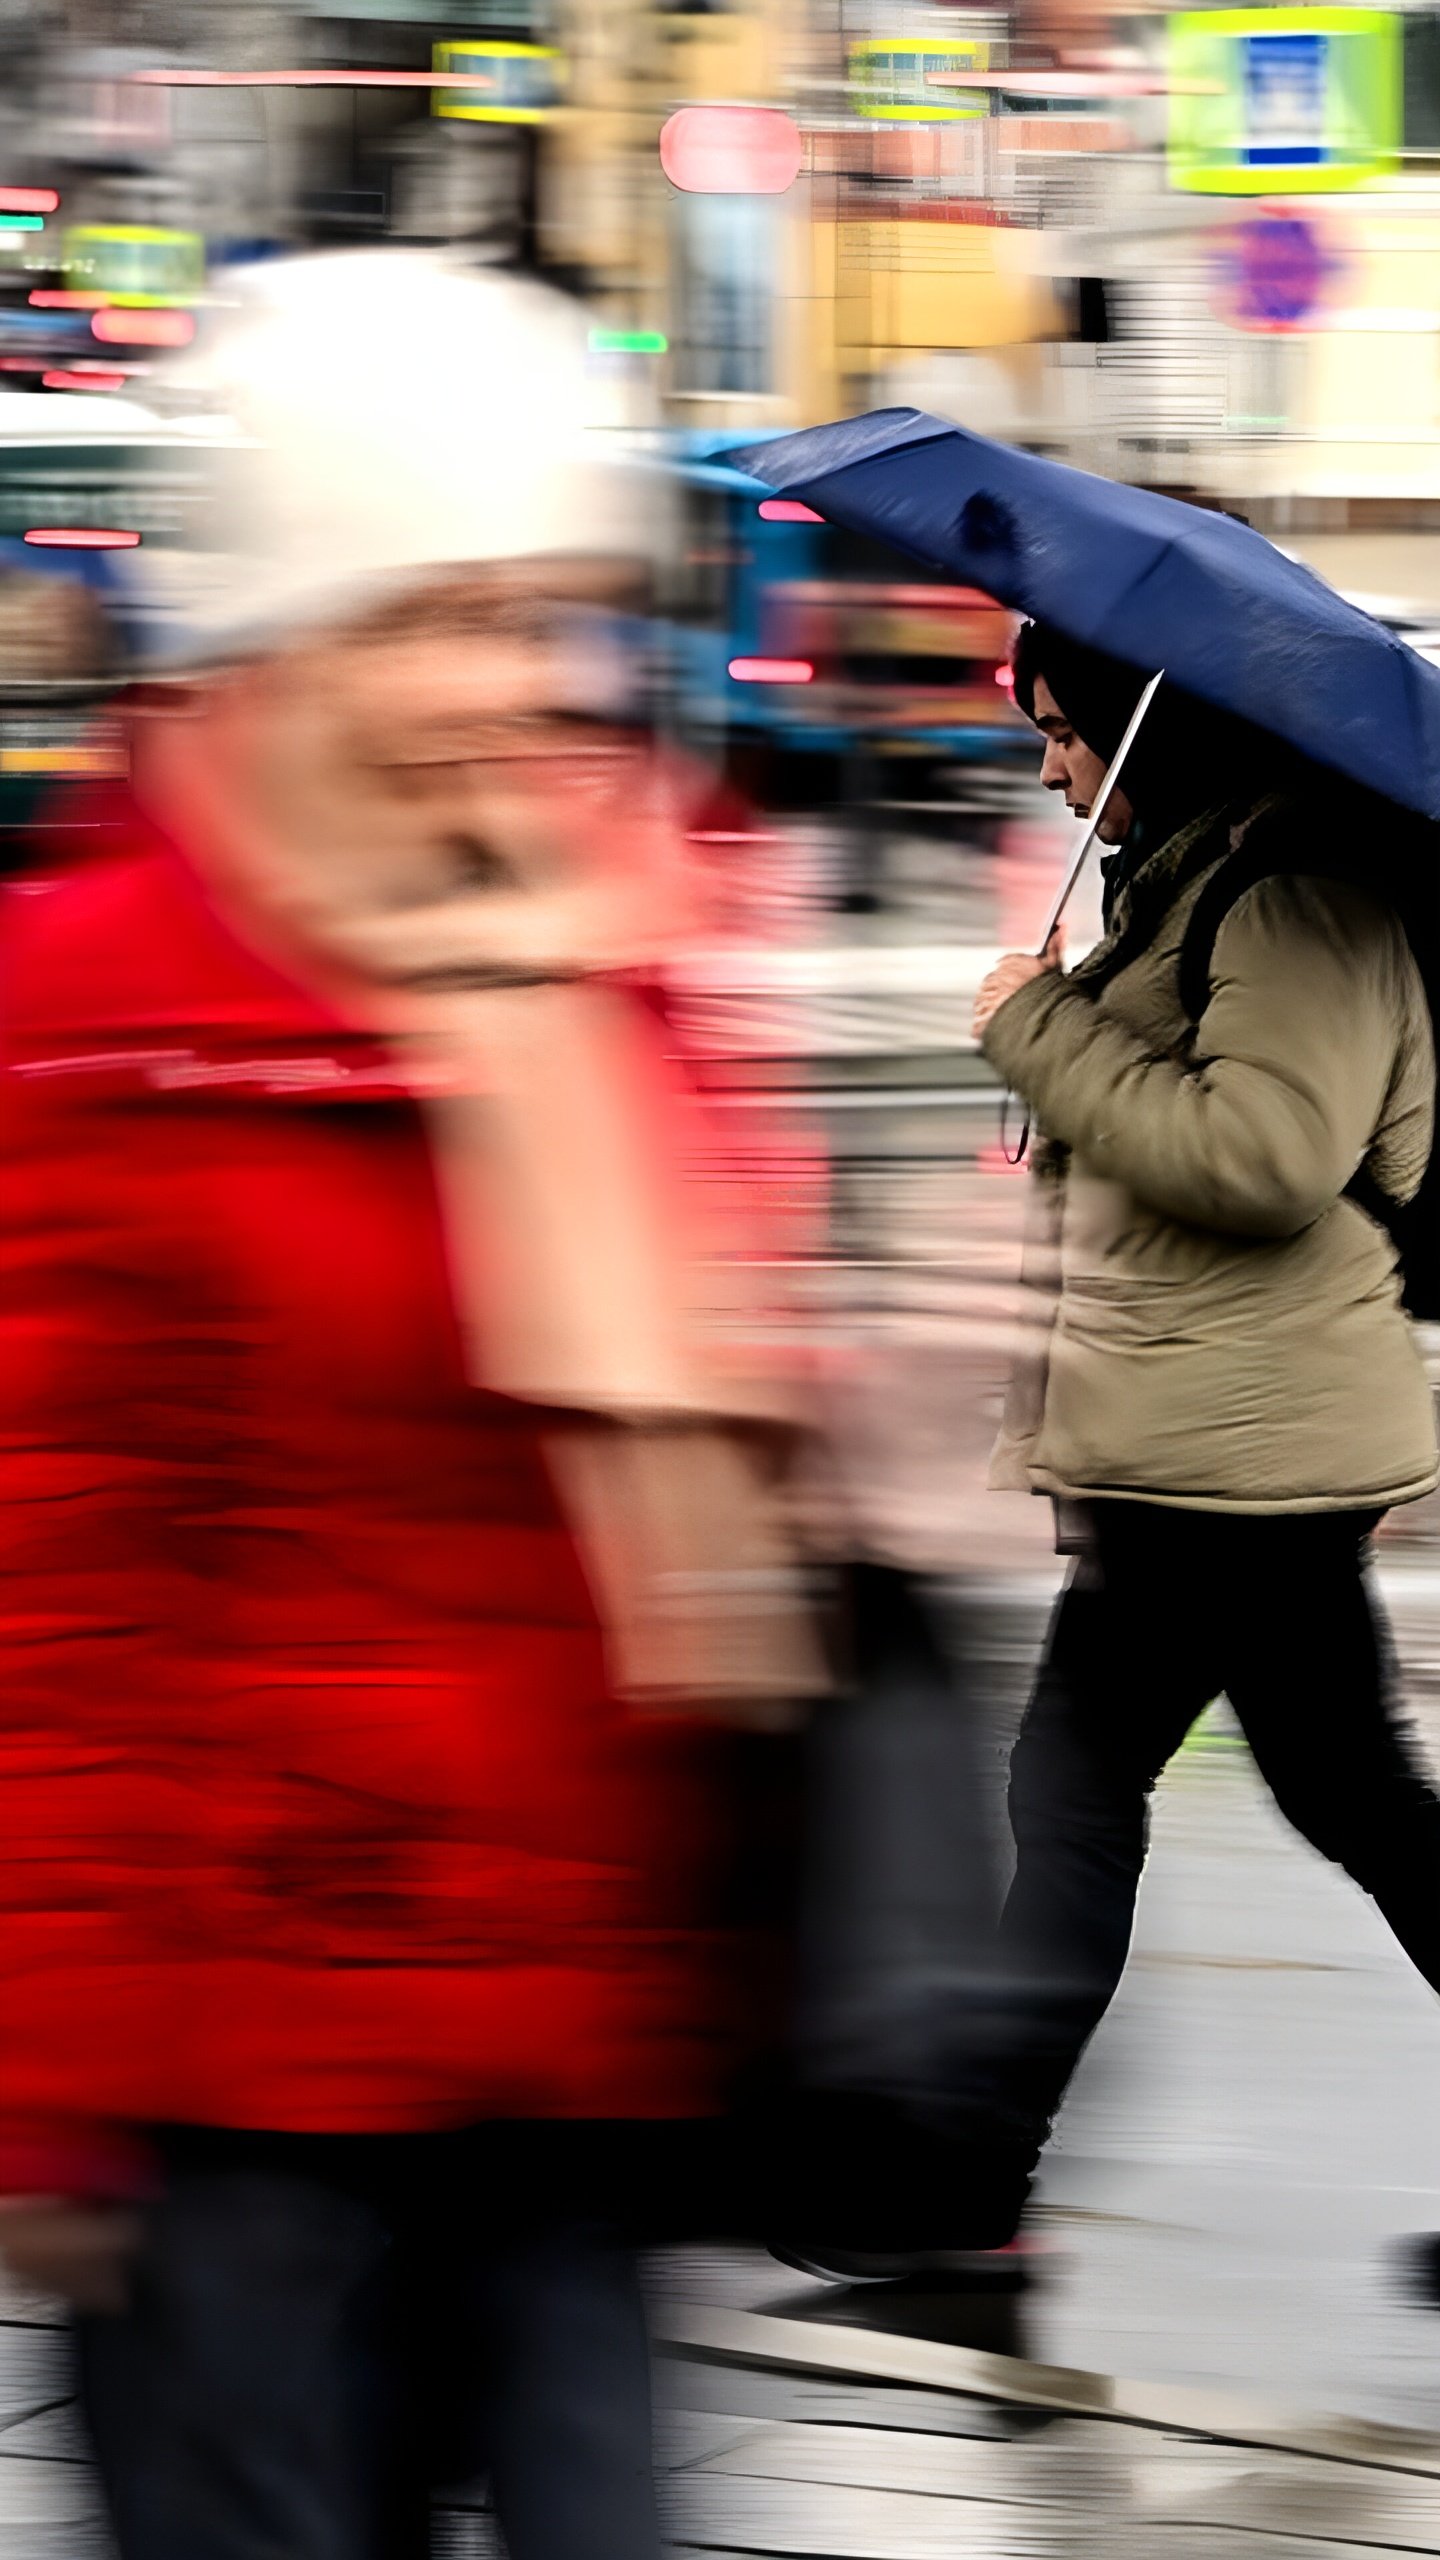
x=382 y=1444
x=1236 y=1091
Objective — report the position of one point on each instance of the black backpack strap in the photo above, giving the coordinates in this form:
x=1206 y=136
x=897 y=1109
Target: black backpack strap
x=1227 y=885
x=1393 y=1215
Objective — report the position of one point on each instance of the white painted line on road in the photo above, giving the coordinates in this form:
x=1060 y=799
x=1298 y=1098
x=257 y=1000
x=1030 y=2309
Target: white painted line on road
x=804 y=2346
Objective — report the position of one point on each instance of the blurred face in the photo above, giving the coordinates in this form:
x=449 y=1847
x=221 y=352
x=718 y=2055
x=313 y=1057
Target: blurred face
x=1072 y=767
x=434 y=762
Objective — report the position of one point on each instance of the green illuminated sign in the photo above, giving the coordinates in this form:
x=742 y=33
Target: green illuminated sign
x=628 y=342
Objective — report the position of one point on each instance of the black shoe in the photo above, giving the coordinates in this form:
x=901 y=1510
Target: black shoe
x=1417 y=2259
x=1009 y=2268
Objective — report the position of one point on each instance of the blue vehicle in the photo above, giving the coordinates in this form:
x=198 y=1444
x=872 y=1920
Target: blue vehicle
x=799 y=636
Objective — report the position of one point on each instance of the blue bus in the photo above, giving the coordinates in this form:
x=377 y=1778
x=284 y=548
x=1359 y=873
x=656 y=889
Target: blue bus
x=797 y=635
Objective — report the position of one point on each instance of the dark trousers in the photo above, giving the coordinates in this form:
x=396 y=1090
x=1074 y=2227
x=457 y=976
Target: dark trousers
x=322 y=2329
x=1167 y=1609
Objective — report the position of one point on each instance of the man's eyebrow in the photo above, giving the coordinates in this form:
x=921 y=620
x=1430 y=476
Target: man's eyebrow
x=1051 y=720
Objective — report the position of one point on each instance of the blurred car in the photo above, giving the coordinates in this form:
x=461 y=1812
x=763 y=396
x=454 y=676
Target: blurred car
x=798 y=633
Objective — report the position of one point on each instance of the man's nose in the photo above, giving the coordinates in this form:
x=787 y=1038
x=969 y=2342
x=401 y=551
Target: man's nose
x=1054 y=772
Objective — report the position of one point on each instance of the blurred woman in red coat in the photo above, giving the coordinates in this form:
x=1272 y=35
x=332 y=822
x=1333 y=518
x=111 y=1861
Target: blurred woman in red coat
x=374 y=1455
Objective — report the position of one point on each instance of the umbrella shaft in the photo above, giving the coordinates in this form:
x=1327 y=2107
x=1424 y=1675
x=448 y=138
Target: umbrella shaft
x=1101 y=804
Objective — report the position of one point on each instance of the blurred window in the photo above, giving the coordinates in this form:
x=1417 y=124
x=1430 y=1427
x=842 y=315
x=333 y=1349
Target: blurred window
x=708 y=554
x=52 y=631
x=853 y=557
x=724 y=266
x=1422 y=81
x=891 y=80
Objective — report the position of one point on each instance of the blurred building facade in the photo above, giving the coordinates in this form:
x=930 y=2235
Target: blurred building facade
x=1198 y=248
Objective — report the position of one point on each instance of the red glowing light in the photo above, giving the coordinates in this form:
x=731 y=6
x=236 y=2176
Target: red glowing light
x=93 y=378
x=29 y=200
x=788 y=511
x=772 y=671
x=144 y=328
x=1005 y=677
x=54 y=297
x=731 y=151
x=81 y=537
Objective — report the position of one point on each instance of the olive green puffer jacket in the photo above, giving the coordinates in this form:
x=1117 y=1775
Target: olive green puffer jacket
x=1226 y=1329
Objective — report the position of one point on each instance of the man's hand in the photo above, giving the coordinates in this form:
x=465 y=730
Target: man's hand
x=1008 y=976
x=70 y=2246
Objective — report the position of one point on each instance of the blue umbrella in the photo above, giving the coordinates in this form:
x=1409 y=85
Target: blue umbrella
x=1155 y=582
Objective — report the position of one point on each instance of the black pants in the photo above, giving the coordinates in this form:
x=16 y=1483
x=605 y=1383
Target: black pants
x=1169 y=1608
x=322 y=2329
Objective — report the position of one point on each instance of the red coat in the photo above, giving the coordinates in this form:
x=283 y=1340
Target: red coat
x=314 y=1811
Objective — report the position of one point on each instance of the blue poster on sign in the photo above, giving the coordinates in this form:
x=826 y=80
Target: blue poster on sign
x=1285 y=77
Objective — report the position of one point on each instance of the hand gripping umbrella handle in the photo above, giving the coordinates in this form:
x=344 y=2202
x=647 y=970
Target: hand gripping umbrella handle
x=1100 y=805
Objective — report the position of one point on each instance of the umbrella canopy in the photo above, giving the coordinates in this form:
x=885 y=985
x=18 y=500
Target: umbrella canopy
x=1152 y=580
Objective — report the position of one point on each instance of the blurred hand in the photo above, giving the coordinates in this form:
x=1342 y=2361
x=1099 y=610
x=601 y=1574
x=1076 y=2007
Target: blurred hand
x=1011 y=974
x=69 y=2246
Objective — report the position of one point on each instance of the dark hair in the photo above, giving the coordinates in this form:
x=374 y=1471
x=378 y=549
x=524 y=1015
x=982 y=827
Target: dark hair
x=1096 y=692
x=1187 y=755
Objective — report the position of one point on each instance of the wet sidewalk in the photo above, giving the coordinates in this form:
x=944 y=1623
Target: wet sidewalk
x=787 y=2435
x=777 y=2460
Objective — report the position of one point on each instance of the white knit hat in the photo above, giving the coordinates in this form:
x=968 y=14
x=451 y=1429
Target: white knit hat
x=394 y=413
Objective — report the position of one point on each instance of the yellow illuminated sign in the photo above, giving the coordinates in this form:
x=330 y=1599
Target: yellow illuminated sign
x=135 y=265
x=91 y=761
x=528 y=82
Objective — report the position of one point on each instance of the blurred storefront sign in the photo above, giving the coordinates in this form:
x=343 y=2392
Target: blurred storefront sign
x=925 y=276
x=1273 y=273
x=1295 y=100
x=889 y=78
x=62 y=742
x=529 y=82
x=46 y=748
x=1062 y=133
x=900 y=162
